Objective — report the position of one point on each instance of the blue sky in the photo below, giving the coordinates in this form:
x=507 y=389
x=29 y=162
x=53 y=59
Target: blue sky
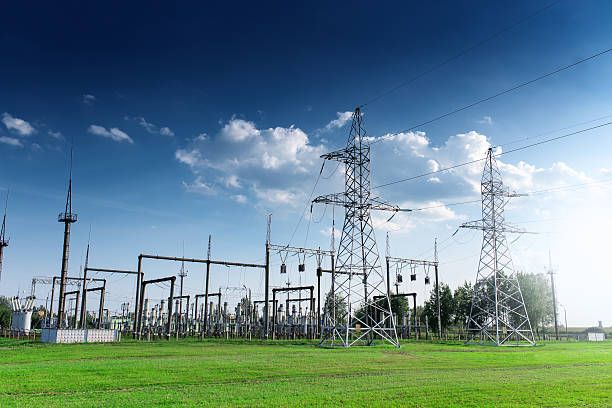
x=198 y=119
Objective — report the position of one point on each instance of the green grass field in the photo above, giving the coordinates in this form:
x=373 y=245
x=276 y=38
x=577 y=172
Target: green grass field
x=290 y=374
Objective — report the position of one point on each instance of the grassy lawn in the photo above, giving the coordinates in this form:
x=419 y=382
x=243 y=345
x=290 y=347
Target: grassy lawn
x=290 y=374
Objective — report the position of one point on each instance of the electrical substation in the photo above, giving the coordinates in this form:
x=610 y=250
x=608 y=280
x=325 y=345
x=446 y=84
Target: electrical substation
x=343 y=296
x=348 y=301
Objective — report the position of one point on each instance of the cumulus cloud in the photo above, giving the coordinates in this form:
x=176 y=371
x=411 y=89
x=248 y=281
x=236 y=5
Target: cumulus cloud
x=17 y=125
x=112 y=133
x=340 y=121
x=88 y=99
x=271 y=164
x=11 y=141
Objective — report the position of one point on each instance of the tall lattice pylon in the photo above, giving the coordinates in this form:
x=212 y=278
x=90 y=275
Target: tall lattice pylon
x=361 y=309
x=498 y=315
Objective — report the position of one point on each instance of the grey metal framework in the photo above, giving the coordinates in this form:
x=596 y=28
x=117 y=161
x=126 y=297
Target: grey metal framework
x=355 y=318
x=497 y=315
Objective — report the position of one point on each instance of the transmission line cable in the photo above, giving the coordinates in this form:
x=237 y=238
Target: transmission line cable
x=498 y=94
x=459 y=54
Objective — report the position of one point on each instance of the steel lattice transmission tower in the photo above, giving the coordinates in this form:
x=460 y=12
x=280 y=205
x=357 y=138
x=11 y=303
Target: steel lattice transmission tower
x=354 y=316
x=497 y=314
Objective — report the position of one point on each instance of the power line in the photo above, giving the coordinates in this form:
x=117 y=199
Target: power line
x=459 y=54
x=511 y=142
x=500 y=93
x=497 y=155
x=547 y=190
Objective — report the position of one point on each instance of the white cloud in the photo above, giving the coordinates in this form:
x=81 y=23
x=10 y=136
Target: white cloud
x=113 y=133
x=56 y=135
x=239 y=198
x=232 y=182
x=273 y=165
x=166 y=131
x=150 y=127
x=340 y=121
x=17 y=125
x=36 y=146
x=192 y=158
x=486 y=120
x=199 y=186
x=11 y=141
x=89 y=99
x=238 y=130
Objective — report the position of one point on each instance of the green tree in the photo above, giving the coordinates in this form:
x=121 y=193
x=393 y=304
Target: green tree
x=5 y=312
x=339 y=306
x=447 y=307
x=462 y=301
x=537 y=295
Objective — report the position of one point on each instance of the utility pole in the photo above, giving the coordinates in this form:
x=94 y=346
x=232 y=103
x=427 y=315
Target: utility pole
x=67 y=217
x=437 y=288
x=3 y=240
x=552 y=284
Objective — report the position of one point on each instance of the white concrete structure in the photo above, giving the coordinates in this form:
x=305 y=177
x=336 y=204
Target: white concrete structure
x=50 y=335
x=596 y=336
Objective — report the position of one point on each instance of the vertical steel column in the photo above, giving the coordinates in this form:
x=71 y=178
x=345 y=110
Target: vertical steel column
x=84 y=299
x=101 y=312
x=319 y=273
x=388 y=275
x=62 y=301
x=552 y=284
x=76 y=309
x=273 y=313
x=138 y=296
x=170 y=306
x=267 y=297
x=51 y=307
x=207 y=286
x=438 y=303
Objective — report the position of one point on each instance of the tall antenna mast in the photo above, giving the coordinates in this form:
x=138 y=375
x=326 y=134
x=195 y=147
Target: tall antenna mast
x=4 y=242
x=67 y=217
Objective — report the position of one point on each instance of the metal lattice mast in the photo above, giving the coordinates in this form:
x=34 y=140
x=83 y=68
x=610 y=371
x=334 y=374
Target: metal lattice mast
x=497 y=313
x=67 y=217
x=355 y=318
x=4 y=241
